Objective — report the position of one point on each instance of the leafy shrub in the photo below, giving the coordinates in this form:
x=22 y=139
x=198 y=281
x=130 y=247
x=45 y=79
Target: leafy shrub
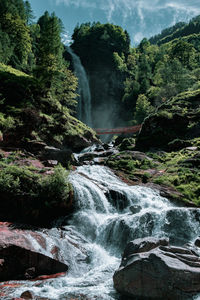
x=166 y=114
x=55 y=188
x=19 y=182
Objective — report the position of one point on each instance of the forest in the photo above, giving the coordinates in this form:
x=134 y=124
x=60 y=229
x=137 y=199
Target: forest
x=152 y=72
x=70 y=202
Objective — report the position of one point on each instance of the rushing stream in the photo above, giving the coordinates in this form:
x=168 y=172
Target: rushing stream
x=109 y=213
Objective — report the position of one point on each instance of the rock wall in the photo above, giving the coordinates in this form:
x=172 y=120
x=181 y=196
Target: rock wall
x=106 y=85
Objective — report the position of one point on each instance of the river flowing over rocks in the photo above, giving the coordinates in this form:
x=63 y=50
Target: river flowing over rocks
x=108 y=214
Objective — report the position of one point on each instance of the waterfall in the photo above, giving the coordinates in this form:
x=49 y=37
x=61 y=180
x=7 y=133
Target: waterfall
x=84 y=102
x=103 y=227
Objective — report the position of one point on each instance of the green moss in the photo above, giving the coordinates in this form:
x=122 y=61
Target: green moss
x=9 y=69
x=178 y=170
x=6 y=122
x=125 y=161
x=166 y=114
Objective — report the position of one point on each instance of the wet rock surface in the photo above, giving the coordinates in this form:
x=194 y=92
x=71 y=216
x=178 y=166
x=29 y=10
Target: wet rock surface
x=152 y=269
x=98 y=155
x=27 y=254
x=117 y=199
x=54 y=154
x=20 y=263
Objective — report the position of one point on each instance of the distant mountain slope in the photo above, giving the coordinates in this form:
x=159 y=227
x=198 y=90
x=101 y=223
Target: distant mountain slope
x=179 y=30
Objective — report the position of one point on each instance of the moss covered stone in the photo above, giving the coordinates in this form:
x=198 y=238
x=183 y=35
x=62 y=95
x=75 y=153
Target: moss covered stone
x=30 y=192
x=178 y=118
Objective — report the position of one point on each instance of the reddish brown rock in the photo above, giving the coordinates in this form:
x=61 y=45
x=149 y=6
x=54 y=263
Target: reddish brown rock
x=20 y=263
x=45 y=277
x=24 y=253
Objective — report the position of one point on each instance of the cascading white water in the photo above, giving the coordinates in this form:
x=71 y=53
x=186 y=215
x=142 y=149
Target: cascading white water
x=103 y=228
x=84 y=101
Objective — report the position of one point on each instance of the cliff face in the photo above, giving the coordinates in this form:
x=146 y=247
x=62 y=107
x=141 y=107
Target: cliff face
x=106 y=86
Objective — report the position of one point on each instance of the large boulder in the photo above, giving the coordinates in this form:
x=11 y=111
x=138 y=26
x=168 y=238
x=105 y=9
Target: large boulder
x=19 y=263
x=27 y=254
x=174 y=124
x=152 y=269
x=159 y=130
x=79 y=142
x=63 y=156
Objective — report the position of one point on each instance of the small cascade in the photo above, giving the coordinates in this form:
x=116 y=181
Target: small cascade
x=103 y=228
x=84 y=101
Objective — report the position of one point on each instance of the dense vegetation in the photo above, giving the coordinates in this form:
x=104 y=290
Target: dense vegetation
x=160 y=79
x=37 y=107
x=153 y=72
x=37 y=85
x=95 y=43
x=31 y=192
x=179 y=30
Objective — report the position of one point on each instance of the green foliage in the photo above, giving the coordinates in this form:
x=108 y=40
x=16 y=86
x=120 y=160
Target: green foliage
x=125 y=162
x=98 y=42
x=9 y=69
x=13 y=7
x=184 y=52
x=184 y=177
x=178 y=170
x=161 y=72
x=143 y=109
x=16 y=35
x=17 y=182
x=166 y=114
x=56 y=80
x=27 y=114
x=55 y=188
x=119 y=62
x=28 y=12
x=6 y=123
x=166 y=32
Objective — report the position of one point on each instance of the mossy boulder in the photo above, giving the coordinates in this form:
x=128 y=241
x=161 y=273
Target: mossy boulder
x=31 y=193
x=177 y=119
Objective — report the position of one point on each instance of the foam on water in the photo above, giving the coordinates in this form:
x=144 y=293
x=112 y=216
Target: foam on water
x=103 y=229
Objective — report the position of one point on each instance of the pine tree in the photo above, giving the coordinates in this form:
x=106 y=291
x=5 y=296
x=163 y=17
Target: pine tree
x=15 y=31
x=50 y=50
x=52 y=70
x=28 y=12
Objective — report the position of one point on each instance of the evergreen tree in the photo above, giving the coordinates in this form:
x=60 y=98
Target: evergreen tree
x=6 y=48
x=143 y=109
x=49 y=49
x=13 y=7
x=57 y=82
x=13 y=24
x=28 y=12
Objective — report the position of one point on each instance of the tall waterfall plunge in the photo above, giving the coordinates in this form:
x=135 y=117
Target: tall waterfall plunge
x=101 y=227
x=84 y=102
